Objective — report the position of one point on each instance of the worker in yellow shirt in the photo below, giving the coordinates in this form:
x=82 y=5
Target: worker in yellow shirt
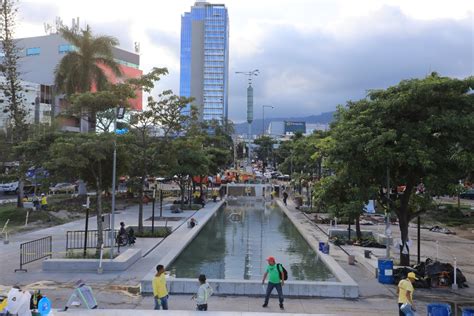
x=405 y=295
x=44 y=202
x=160 y=292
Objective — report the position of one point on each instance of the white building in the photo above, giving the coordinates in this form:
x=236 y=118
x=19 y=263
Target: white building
x=37 y=104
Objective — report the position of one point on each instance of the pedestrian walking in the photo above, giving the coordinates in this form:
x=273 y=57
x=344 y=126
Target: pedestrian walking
x=160 y=292
x=275 y=280
x=36 y=202
x=405 y=295
x=285 y=197
x=203 y=293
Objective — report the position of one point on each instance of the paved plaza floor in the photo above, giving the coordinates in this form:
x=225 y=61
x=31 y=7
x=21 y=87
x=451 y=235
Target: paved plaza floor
x=114 y=290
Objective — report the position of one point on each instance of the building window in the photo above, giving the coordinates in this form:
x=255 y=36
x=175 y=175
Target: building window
x=65 y=48
x=34 y=51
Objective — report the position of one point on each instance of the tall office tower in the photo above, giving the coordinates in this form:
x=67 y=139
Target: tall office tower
x=205 y=59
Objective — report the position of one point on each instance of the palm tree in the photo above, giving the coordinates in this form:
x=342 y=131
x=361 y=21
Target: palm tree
x=80 y=69
x=83 y=68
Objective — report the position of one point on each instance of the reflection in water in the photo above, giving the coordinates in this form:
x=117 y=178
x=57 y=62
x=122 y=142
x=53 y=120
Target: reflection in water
x=231 y=248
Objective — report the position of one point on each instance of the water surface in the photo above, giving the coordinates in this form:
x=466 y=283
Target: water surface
x=236 y=241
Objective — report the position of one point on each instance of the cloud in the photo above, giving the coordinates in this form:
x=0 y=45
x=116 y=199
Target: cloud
x=165 y=40
x=37 y=12
x=304 y=73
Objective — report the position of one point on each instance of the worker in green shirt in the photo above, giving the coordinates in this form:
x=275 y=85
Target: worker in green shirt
x=275 y=280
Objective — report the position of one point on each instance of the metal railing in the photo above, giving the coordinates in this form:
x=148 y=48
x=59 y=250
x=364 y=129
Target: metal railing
x=75 y=239
x=35 y=250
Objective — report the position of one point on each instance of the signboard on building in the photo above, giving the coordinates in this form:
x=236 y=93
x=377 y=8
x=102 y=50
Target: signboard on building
x=295 y=127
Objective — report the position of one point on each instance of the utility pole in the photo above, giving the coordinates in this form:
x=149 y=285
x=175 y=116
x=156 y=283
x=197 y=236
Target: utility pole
x=119 y=114
x=388 y=232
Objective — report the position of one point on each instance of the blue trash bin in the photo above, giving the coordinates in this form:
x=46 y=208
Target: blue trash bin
x=326 y=248
x=439 y=309
x=321 y=245
x=385 y=267
x=467 y=311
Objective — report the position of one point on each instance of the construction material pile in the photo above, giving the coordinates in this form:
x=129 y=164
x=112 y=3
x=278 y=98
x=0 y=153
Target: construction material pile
x=432 y=274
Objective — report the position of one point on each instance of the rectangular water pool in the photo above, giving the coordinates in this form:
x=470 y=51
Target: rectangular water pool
x=235 y=243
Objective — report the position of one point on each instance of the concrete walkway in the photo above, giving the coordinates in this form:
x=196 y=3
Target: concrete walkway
x=11 y=257
x=175 y=313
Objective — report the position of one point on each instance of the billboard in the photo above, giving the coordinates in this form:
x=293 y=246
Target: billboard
x=295 y=127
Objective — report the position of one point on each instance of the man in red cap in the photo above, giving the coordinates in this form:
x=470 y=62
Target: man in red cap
x=275 y=280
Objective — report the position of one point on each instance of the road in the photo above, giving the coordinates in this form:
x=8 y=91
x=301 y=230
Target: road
x=7 y=198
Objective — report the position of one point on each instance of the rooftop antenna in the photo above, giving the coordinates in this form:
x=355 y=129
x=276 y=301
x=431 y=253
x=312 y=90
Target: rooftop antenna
x=58 y=24
x=75 y=25
x=137 y=47
x=48 y=28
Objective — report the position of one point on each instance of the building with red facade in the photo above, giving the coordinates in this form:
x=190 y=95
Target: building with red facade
x=41 y=54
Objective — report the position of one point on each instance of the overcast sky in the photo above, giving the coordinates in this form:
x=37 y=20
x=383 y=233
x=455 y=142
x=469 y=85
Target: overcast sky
x=312 y=54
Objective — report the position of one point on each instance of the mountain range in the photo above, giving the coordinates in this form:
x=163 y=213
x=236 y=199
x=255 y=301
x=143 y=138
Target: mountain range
x=323 y=118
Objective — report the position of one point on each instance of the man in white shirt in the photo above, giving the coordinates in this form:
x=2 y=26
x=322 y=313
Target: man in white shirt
x=204 y=291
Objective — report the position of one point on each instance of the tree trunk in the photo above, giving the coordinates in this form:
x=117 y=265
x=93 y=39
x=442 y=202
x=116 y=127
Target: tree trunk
x=358 y=232
x=140 y=205
x=404 y=220
x=19 y=201
x=182 y=187
x=100 y=237
x=404 y=249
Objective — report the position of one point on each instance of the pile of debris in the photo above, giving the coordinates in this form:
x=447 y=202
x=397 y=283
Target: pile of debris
x=432 y=274
x=443 y=230
x=364 y=242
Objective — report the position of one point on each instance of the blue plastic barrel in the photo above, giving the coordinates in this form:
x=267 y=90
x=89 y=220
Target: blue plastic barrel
x=467 y=311
x=321 y=245
x=326 y=248
x=439 y=309
x=385 y=271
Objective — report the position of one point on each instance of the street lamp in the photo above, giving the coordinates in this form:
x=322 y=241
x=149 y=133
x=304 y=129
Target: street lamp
x=263 y=117
x=119 y=114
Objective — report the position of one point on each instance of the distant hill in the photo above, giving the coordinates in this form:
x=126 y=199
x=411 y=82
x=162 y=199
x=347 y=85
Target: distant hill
x=323 y=118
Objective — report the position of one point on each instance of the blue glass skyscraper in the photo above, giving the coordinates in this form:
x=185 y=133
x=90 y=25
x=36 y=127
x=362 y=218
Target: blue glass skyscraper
x=205 y=59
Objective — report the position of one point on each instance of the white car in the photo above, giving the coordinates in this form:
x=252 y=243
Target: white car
x=11 y=187
x=63 y=188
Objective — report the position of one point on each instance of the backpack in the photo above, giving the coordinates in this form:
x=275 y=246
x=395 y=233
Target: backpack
x=281 y=268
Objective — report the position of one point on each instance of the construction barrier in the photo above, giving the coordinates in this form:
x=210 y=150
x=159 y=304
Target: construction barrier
x=35 y=250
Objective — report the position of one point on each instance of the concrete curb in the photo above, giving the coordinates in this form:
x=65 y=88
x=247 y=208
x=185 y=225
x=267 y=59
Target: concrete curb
x=179 y=243
x=120 y=263
x=351 y=288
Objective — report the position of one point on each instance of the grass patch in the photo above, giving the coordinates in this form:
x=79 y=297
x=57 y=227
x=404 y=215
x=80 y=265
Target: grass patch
x=90 y=254
x=160 y=232
x=449 y=215
x=17 y=216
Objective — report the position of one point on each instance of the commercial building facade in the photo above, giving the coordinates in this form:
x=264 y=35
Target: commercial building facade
x=36 y=101
x=40 y=56
x=204 y=59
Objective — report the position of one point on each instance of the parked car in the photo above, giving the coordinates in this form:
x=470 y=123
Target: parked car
x=11 y=187
x=469 y=194
x=63 y=188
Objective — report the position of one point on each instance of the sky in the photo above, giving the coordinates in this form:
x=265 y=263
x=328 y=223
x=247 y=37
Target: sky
x=312 y=54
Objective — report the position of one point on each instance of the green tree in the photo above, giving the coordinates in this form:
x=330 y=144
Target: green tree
x=416 y=132
x=265 y=149
x=11 y=84
x=88 y=157
x=82 y=69
x=188 y=159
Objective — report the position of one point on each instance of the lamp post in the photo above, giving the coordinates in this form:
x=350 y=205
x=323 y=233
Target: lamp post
x=250 y=74
x=119 y=114
x=263 y=117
